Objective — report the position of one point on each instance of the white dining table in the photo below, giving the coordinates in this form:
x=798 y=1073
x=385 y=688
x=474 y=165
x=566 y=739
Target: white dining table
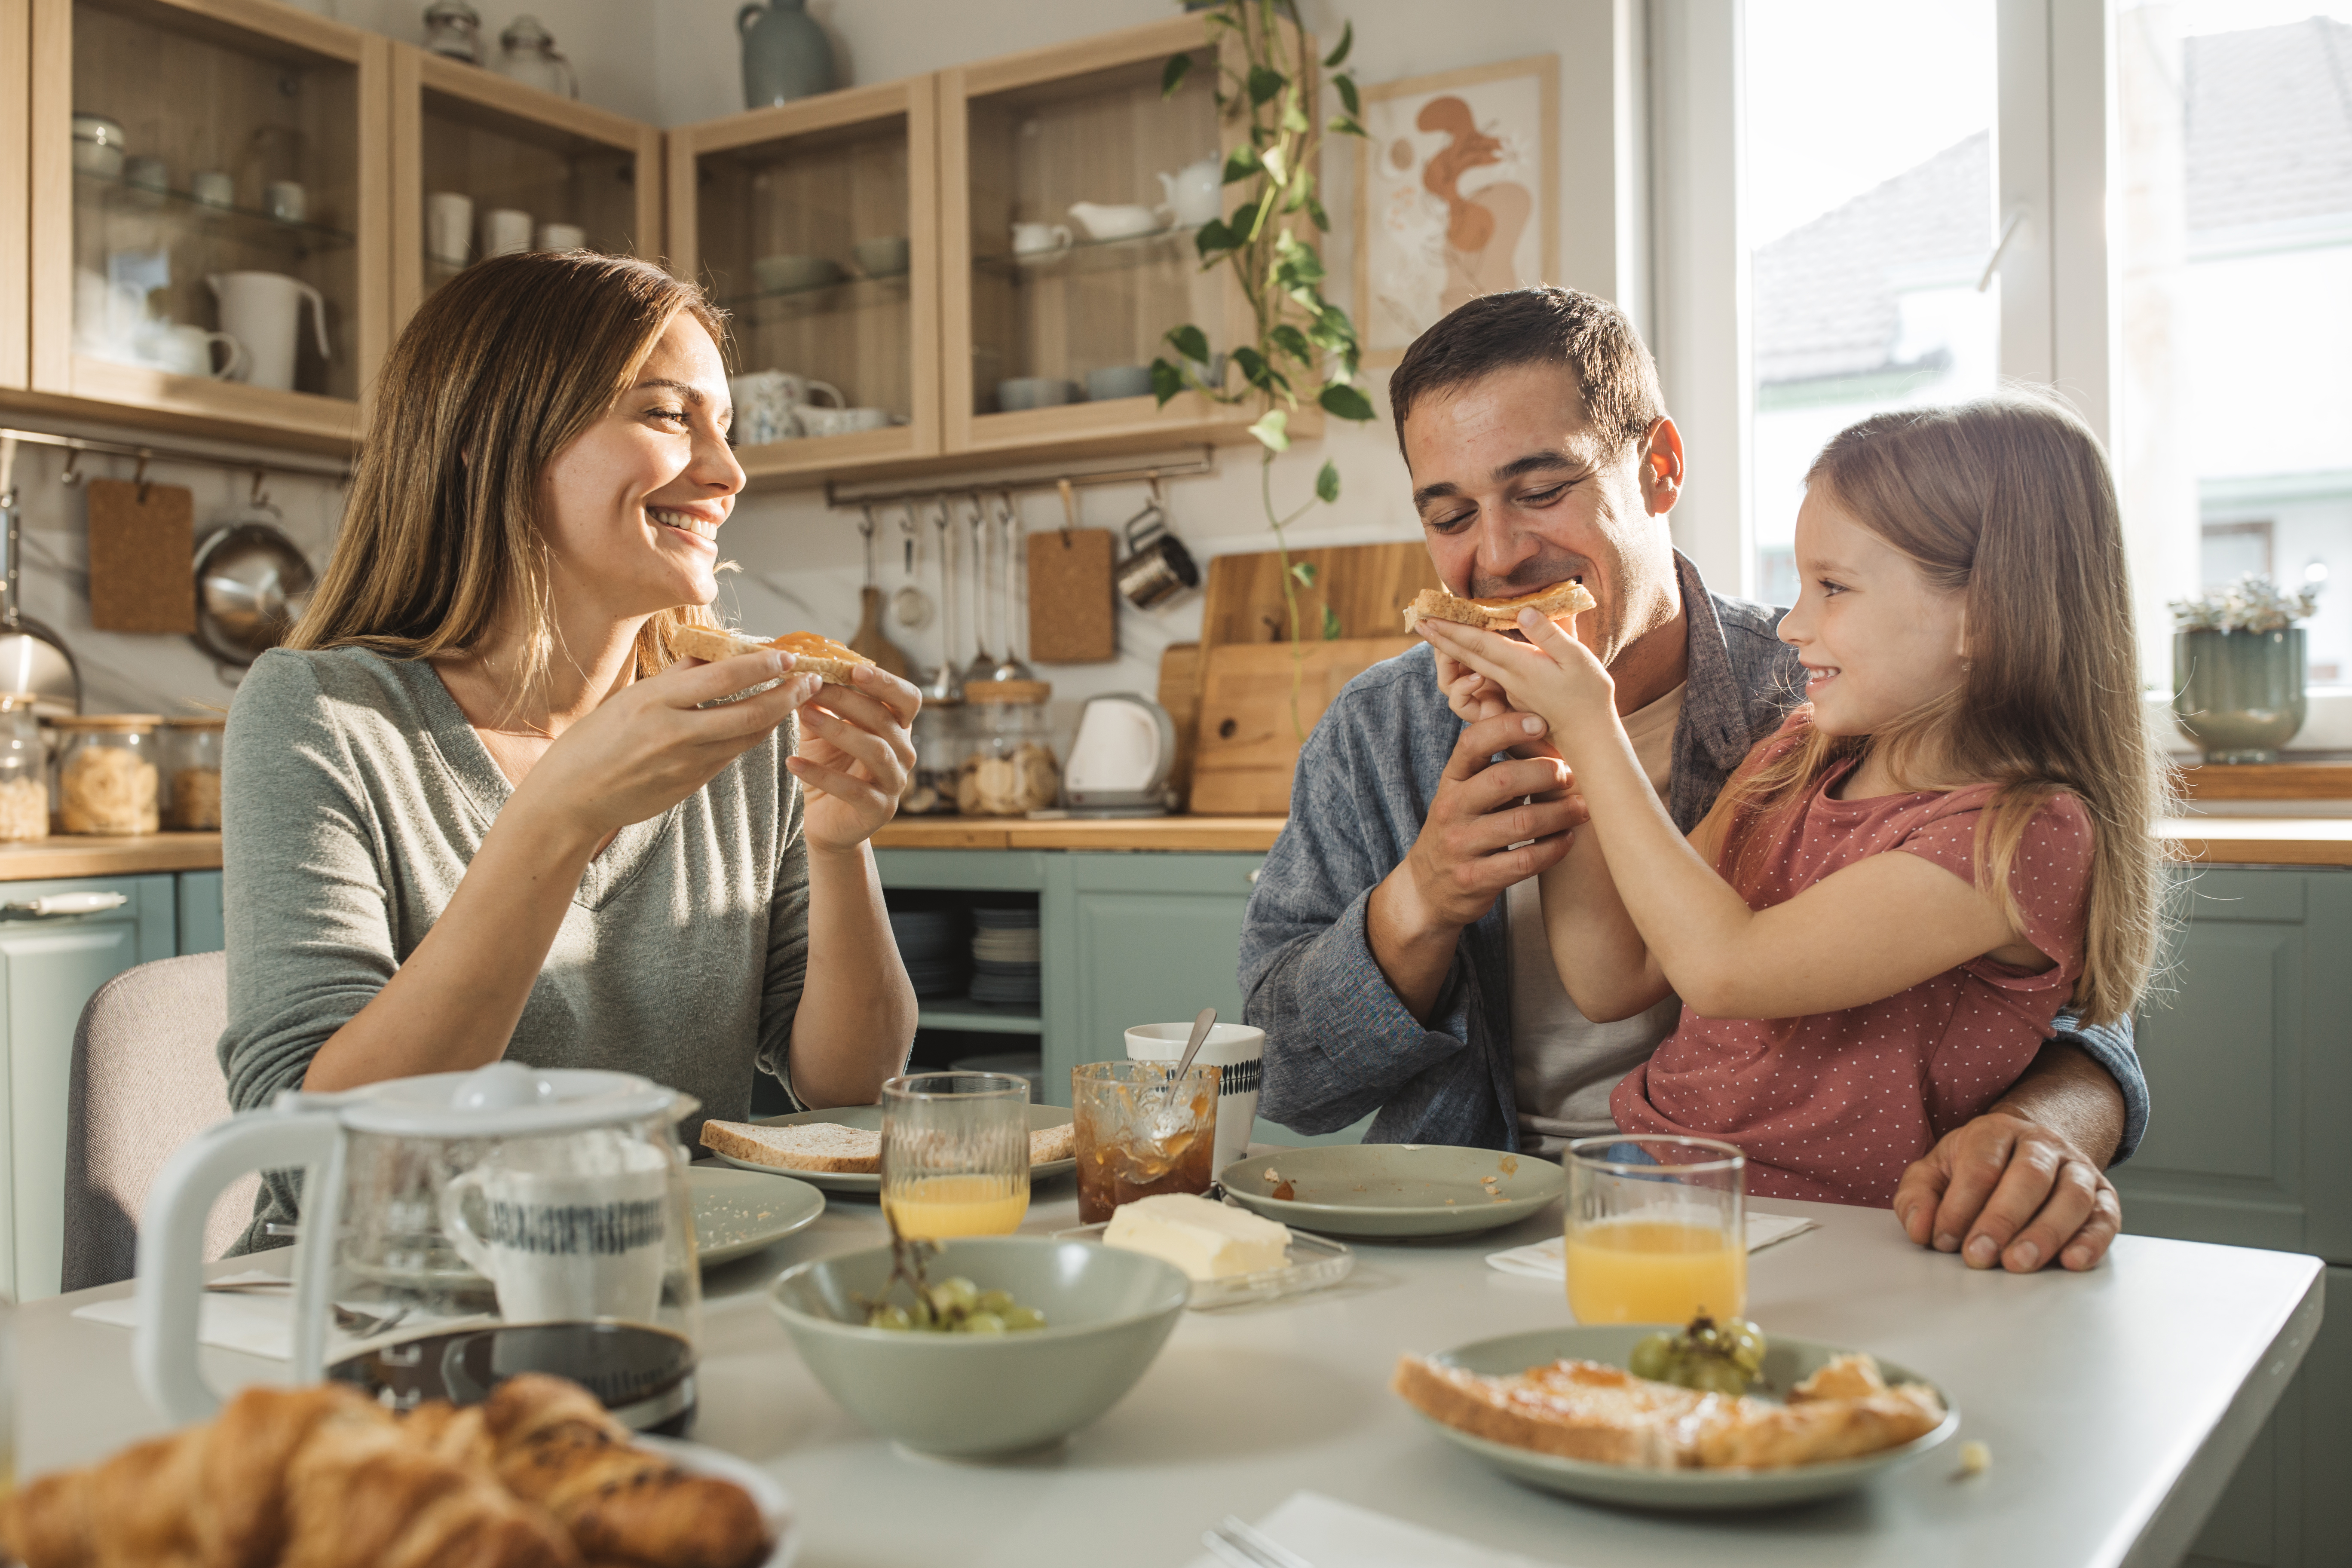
x=2116 y=1404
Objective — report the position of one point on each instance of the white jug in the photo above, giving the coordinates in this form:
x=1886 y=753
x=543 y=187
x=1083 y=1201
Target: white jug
x=1196 y=193
x=263 y=310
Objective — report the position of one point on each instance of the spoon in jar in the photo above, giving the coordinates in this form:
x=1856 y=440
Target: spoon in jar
x=1164 y=1124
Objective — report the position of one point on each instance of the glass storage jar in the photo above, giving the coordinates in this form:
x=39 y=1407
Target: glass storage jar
x=24 y=771
x=192 y=773
x=107 y=778
x=941 y=740
x=1010 y=769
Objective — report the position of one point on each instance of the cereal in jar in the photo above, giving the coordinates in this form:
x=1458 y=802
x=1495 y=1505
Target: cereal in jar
x=108 y=781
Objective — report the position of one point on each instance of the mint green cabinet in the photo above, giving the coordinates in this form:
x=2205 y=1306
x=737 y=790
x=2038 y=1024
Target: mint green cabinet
x=50 y=965
x=201 y=928
x=2248 y=1051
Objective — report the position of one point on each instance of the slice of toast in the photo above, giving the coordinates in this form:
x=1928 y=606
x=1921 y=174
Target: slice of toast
x=817 y=655
x=801 y=1146
x=1561 y=599
x=1047 y=1144
x=1583 y=1410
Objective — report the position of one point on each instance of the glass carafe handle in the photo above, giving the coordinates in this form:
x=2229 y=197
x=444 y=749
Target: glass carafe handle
x=171 y=1282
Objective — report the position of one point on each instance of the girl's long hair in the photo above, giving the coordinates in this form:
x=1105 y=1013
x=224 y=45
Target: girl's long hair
x=500 y=369
x=2009 y=500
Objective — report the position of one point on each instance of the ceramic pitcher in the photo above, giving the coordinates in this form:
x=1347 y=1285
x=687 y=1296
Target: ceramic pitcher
x=263 y=310
x=785 y=54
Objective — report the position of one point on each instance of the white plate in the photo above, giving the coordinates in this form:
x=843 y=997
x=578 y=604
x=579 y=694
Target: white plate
x=870 y=1117
x=1315 y=1262
x=735 y=1213
x=775 y=1504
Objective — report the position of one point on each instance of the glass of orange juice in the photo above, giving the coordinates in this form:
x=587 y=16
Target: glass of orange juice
x=1657 y=1230
x=955 y=1154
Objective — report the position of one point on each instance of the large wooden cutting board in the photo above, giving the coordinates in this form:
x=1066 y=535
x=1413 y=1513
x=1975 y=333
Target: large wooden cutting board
x=1367 y=586
x=1247 y=745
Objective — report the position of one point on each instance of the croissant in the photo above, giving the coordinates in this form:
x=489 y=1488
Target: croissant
x=313 y=1478
x=558 y=1448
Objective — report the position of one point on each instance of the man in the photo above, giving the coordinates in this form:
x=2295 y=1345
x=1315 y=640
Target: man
x=1394 y=950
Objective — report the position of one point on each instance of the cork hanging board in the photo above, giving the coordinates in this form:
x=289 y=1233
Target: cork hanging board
x=1073 y=599
x=142 y=553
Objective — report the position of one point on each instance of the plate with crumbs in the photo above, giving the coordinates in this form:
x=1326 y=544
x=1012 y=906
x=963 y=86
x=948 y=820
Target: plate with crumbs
x=1384 y=1191
x=868 y=1118
x=1315 y=1263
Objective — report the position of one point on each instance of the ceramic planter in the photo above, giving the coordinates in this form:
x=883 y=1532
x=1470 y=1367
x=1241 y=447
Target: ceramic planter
x=2239 y=695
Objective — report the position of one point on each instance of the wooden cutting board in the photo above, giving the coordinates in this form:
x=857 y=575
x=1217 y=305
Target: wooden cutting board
x=1073 y=600
x=1246 y=746
x=1367 y=586
x=142 y=548
x=1180 y=693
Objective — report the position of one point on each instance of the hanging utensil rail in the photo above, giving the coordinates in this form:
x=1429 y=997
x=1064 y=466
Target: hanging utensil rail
x=1130 y=472
x=320 y=467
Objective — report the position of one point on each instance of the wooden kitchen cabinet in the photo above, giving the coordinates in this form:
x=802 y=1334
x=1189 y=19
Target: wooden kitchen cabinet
x=815 y=225
x=462 y=131
x=48 y=968
x=267 y=97
x=16 y=170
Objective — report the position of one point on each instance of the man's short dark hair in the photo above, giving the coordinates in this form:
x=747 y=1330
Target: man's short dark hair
x=1539 y=326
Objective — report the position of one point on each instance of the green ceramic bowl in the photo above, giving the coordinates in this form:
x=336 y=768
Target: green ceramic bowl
x=1107 y=1313
x=1394 y=1189
x=1788 y=1362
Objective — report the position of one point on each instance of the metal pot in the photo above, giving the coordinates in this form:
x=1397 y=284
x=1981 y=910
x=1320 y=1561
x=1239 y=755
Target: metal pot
x=32 y=657
x=252 y=584
x=1158 y=567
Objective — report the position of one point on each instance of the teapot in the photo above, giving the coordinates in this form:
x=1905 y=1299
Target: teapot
x=457 y=1228
x=1115 y=221
x=1196 y=193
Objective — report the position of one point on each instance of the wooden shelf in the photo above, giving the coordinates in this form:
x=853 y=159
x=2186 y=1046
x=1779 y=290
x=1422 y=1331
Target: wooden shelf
x=976 y=1017
x=2268 y=781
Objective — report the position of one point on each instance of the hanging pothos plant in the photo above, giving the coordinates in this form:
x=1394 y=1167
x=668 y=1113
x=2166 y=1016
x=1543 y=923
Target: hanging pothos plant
x=1299 y=345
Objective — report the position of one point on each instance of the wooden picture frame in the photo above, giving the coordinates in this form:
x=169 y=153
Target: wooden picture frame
x=1494 y=130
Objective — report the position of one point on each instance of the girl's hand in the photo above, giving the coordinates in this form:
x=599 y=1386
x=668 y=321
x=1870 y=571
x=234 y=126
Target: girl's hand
x=1551 y=675
x=854 y=757
x=1469 y=696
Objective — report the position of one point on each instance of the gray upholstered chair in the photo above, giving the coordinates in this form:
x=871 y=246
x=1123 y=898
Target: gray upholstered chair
x=145 y=1080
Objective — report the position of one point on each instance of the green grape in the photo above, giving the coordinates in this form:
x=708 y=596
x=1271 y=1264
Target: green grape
x=995 y=1301
x=891 y=1317
x=1653 y=1358
x=981 y=1324
x=955 y=1295
x=1019 y=1317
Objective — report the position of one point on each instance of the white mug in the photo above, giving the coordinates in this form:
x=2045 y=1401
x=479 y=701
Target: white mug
x=188 y=351
x=566 y=1230
x=1039 y=238
x=769 y=405
x=505 y=230
x=562 y=237
x=263 y=310
x=449 y=226
x=287 y=201
x=1236 y=1051
x=815 y=421
x=214 y=187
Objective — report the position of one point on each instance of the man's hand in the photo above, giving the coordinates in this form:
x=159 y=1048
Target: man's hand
x=2006 y=1189
x=1464 y=858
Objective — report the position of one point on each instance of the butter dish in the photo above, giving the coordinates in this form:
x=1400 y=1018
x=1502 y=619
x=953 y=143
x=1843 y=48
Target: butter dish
x=1315 y=1262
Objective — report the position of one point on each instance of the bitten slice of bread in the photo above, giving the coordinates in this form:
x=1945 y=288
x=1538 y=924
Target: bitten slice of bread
x=801 y=1146
x=817 y=655
x=1568 y=598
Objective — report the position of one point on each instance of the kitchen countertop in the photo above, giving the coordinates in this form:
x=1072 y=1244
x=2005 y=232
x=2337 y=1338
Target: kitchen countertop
x=2116 y=1404
x=73 y=855
x=1255 y=833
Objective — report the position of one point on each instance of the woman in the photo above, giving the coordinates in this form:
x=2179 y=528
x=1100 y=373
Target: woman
x=475 y=808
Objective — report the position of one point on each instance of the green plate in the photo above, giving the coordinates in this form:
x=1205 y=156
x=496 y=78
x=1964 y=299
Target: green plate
x=1788 y=1362
x=1394 y=1189
x=737 y=1213
x=870 y=1116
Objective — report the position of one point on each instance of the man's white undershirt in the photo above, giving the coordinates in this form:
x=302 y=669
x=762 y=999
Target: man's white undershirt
x=1563 y=1064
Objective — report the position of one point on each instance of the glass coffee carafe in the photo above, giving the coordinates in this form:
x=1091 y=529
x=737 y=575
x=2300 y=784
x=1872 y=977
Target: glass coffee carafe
x=457 y=1229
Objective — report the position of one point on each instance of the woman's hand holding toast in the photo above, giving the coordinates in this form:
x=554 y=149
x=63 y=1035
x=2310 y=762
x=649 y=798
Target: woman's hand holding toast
x=854 y=757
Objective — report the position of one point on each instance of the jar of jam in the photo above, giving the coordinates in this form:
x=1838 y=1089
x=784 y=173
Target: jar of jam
x=1010 y=769
x=107 y=779
x=24 y=771
x=192 y=773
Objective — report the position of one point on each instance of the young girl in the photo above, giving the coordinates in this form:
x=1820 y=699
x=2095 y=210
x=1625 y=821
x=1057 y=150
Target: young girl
x=1873 y=929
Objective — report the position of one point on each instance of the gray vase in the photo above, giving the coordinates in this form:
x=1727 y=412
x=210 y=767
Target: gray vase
x=785 y=54
x=2239 y=695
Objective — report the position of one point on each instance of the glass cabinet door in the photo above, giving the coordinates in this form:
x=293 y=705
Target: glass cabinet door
x=207 y=221
x=814 y=227
x=1073 y=189
x=483 y=166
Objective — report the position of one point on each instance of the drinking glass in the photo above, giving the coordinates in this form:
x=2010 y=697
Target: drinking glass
x=1138 y=1133
x=1657 y=1230
x=955 y=1154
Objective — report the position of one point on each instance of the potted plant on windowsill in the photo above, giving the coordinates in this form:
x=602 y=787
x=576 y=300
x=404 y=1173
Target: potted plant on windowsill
x=2238 y=669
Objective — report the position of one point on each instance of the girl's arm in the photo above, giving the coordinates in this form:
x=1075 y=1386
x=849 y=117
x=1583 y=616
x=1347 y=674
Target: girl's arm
x=1859 y=935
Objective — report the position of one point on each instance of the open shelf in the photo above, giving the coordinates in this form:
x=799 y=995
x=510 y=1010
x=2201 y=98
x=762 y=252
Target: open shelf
x=1089 y=256
x=977 y=1018
x=124 y=199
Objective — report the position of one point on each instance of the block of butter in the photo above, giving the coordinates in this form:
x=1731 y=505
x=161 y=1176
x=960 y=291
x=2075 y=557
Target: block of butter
x=1206 y=1241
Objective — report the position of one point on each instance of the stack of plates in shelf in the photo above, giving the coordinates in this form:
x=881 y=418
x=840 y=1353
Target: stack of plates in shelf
x=1004 y=957
x=931 y=944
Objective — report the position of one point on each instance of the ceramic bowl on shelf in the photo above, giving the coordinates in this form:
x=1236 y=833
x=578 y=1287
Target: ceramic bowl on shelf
x=883 y=257
x=1021 y=392
x=1106 y=1314
x=1118 y=381
x=784 y=274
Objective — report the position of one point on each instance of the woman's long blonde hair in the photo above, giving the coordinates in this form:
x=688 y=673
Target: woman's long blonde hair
x=503 y=367
x=2009 y=500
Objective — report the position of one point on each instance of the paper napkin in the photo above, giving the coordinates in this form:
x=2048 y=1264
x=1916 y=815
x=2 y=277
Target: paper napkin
x=1334 y=1534
x=1548 y=1261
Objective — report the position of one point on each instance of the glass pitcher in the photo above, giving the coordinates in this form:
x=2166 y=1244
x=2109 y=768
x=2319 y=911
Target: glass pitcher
x=527 y=54
x=457 y=1228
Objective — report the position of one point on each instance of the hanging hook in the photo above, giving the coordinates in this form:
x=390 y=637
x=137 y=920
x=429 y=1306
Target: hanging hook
x=1069 y=510
x=140 y=478
x=1159 y=503
x=72 y=476
x=260 y=496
